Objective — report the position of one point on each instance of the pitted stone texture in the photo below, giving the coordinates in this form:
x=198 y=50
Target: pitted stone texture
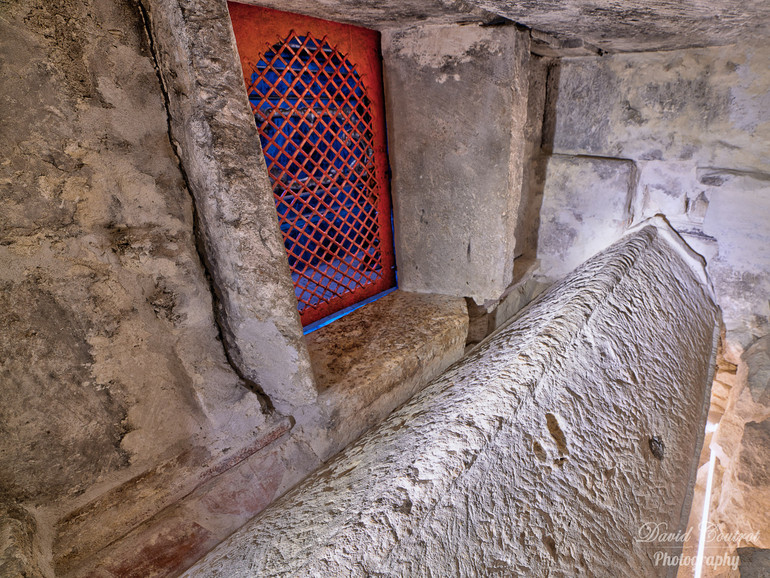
x=238 y=224
x=585 y=208
x=529 y=457
x=457 y=107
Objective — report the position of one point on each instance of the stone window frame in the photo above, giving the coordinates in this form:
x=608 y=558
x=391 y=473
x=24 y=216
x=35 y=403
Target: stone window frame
x=212 y=127
x=213 y=131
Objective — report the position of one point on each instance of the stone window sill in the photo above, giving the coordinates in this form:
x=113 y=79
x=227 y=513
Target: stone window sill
x=374 y=359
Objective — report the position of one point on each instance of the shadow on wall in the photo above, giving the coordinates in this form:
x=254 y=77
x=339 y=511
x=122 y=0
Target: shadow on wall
x=539 y=134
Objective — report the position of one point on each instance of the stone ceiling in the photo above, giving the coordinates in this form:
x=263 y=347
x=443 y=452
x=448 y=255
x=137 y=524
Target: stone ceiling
x=607 y=25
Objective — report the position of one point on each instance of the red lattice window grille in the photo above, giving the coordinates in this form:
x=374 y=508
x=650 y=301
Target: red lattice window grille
x=315 y=90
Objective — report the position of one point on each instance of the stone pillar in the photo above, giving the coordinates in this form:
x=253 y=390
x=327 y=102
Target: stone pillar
x=219 y=148
x=456 y=100
x=549 y=450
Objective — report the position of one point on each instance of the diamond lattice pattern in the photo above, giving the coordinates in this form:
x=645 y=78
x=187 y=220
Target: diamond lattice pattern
x=315 y=126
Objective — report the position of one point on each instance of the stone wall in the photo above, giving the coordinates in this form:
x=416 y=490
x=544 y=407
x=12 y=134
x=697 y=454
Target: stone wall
x=685 y=134
x=157 y=388
x=690 y=131
x=109 y=347
x=111 y=359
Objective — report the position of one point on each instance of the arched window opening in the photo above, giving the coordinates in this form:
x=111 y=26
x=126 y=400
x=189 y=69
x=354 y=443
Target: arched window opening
x=327 y=163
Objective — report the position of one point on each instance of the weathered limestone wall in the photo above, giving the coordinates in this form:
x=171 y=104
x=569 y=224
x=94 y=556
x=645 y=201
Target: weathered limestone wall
x=456 y=99
x=686 y=134
x=532 y=456
x=112 y=373
x=683 y=133
x=110 y=355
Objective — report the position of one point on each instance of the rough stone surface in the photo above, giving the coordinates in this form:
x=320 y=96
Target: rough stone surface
x=755 y=562
x=118 y=397
x=710 y=106
x=585 y=207
x=87 y=529
x=109 y=352
x=696 y=125
x=530 y=456
x=753 y=467
x=238 y=225
x=18 y=551
x=575 y=25
x=535 y=165
x=377 y=357
x=737 y=217
x=635 y=25
x=456 y=100
x=516 y=298
x=739 y=513
x=383 y=14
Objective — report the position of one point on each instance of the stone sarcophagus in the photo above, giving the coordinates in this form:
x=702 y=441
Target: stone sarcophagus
x=547 y=451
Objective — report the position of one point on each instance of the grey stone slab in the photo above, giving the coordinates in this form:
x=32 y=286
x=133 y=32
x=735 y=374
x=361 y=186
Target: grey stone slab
x=456 y=101
x=220 y=151
x=532 y=454
x=533 y=179
x=374 y=359
x=571 y=26
x=737 y=217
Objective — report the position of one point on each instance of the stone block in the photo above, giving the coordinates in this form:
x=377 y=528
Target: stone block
x=456 y=99
x=755 y=562
x=706 y=105
x=534 y=169
x=737 y=218
x=238 y=229
x=755 y=447
x=637 y=25
x=585 y=208
x=665 y=188
x=18 y=554
x=757 y=359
